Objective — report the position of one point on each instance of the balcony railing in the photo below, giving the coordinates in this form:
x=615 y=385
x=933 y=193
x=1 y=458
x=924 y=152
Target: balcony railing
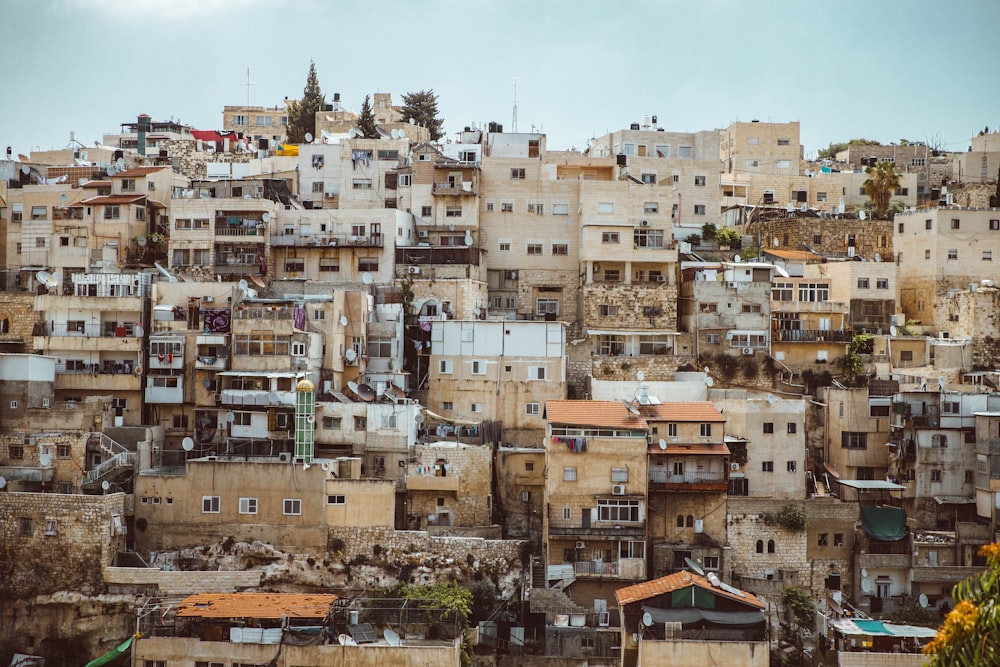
x=466 y=188
x=596 y=568
x=437 y=255
x=812 y=336
x=239 y=231
x=327 y=240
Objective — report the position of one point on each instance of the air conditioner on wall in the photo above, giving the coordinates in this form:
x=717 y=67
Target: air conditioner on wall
x=414 y=270
x=285 y=457
x=207 y=299
x=645 y=223
x=748 y=350
x=423 y=233
x=618 y=490
x=581 y=545
x=734 y=466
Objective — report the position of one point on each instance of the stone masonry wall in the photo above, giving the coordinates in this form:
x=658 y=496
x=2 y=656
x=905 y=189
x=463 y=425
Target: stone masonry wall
x=38 y=557
x=871 y=236
x=746 y=526
x=19 y=311
x=174 y=582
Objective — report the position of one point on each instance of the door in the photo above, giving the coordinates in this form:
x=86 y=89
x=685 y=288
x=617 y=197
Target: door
x=585 y=517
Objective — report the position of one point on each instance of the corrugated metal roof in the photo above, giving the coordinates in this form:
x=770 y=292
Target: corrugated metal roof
x=110 y=199
x=677 y=581
x=609 y=414
x=138 y=171
x=794 y=254
x=255 y=605
x=716 y=448
x=698 y=411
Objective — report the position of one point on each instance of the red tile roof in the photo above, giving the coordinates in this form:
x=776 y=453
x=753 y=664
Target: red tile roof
x=607 y=414
x=675 y=582
x=700 y=411
x=794 y=254
x=96 y=184
x=137 y=171
x=716 y=448
x=255 y=605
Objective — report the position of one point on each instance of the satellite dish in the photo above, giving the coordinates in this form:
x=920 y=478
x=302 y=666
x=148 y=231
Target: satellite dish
x=468 y=240
x=25 y=169
x=243 y=285
x=230 y=417
x=893 y=330
x=391 y=638
x=266 y=216
x=864 y=572
x=3 y=482
x=305 y=466
x=352 y=385
x=628 y=406
x=640 y=376
x=206 y=383
x=309 y=137
x=478 y=311
x=772 y=399
x=418 y=418
x=366 y=278
x=776 y=242
x=141 y=241
x=647 y=619
x=861 y=214
x=343 y=320
x=54 y=279
x=366 y=393
x=350 y=355
x=923 y=600
x=709 y=382
x=311 y=419
x=63 y=198
x=105 y=485
x=878 y=257
x=352 y=133
x=866 y=586
x=43 y=277
x=451 y=227
x=325 y=466
x=694 y=566
x=737 y=258
x=112 y=171
x=413 y=122
x=120 y=163
x=251 y=293
x=941 y=383
x=187 y=444
x=663 y=443
x=45 y=460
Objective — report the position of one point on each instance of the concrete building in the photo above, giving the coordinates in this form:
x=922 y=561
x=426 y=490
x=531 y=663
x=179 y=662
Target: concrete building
x=761 y=148
x=448 y=485
x=499 y=371
x=258 y=122
x=942 y=249
x=856 y=424
x=809 y=329
x=521 y=471
x=981 y=163
x=868 y=288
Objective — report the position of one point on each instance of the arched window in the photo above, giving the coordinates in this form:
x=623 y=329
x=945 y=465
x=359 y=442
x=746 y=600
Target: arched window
x=770 y=546
x=5 y=325
x=760 y=546
x=689 y=521
x=441 y=468
x=680 y=520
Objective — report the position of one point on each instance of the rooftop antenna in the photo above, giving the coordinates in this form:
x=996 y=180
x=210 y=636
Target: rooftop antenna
x=513 y=120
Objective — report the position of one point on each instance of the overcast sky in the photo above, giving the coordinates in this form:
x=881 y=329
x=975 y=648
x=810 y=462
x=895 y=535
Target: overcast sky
x=881 y=69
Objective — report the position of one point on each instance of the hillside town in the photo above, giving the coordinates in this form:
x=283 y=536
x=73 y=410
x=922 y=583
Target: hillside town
x=377 y=394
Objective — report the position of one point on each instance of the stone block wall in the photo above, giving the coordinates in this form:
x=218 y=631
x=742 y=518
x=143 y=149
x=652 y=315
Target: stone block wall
x=176 y=582
x=18 y=309
x=745 y=525
x=56 y=542
x=870 y=236
x=471 y=504
x=632 y=302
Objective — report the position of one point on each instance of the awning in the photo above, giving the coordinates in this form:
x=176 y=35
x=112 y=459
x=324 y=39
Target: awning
x=954 y=500
x=872 y=485
x=879 y=629
x=629 y=332
x=884 y=523
x=448 y=420
x=694 y=616
x=116 y=652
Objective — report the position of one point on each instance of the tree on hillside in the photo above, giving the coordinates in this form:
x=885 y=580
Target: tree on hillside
x=302 y=114
x=882 y=182
x=832 y=150
x=422 y=107
x=366 y=120
x=970 y=634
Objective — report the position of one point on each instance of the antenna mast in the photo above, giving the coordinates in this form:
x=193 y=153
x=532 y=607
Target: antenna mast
x=513 y=122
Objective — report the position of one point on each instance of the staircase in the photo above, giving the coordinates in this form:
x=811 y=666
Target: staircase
x=119 y=459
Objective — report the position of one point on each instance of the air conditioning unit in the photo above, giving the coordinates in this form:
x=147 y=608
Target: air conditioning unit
x=618 y=490
x=748 y=350
x=581 y=545
x=734 y=466
x=732 y=284
x=423 y=233
x=208 y=299
x=645 y=223
x=414 y=270
x=661 y=279
x=285 y=457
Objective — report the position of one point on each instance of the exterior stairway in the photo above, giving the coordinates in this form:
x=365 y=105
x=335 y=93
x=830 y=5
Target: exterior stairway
x=118 y=459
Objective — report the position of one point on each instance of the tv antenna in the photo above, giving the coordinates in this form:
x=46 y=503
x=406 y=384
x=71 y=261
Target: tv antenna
x=513 y=120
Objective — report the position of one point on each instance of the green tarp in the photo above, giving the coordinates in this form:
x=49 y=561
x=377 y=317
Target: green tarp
x=692 y=596
x=116 y=652
x=884 y=523
x=701 y=617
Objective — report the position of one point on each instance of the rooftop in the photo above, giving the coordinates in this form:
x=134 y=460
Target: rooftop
x=675 y=582
x=256 y=605
x=700 y=411
x=607 y=414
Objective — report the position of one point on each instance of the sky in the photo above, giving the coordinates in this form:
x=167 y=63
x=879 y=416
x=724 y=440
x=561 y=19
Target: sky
x=879 y=69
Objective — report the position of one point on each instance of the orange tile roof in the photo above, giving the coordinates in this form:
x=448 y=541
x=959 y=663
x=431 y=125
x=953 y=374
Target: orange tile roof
x=96 y=184
x=716 y=448
x=700 y=411
x=111 y=199
x=608 y=414
x=675 y=582
x=137 y=171
x=793 y=254
x=255 y=605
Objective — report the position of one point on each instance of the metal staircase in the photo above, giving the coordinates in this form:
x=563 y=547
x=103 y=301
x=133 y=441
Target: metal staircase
x=119 y=459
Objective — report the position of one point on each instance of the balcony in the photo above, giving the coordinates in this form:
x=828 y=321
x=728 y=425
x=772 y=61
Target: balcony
x=944 y=574
x=164 y=389
x=808 y=307
x=626 y=568
x=613 y=531
x=882 y=561
x=812 y=336
x=418 y=482
x=169 y=362
x=665 y=480
x=436 y=255
x=463 y=189
x=256 y=398
x=327 y=240
x=118 y=381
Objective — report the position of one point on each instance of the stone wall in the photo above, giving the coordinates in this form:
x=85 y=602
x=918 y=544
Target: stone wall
x=191 y=162
x=462 y=490
x=18 y=309
x=870 y=236
x=746 y=526
x=154 y=581
x=633 y=302
x=57 y=542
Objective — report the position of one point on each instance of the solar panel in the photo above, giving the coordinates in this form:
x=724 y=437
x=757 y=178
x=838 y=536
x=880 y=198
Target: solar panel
x=362 y=633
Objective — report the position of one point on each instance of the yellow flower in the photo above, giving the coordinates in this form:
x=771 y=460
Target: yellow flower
x=959 y=624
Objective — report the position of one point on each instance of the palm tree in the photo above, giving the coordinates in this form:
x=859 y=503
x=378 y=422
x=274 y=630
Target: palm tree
x=882 y=182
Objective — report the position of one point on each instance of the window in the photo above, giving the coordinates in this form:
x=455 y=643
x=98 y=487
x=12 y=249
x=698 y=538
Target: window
x=822 y=540
x=648 y=238
x=760 y=546
x=994 y=225
x=611 y=345
x=705 y=429
x=753 y=163
x=987 y=256
x=453 y=212
x=425 y=211
x=331 y=422
x=881 y=283
x=684 y=151
x=927 y=253
x=478 y=367
x=532 y=409
x=560 y=209
x=560 y=248
x=547 y=306
x=610 y=237
x=814 y=292
x=770 y=546
x=569 y=474
x=112 y=212
x=699 y=209
x=854 y=440
x=517 y=173
x=444 y=366
x=939 y=440
x=609 y=310
x=51 y=527
x=970 y=476
x=956 y=223
x=291 y=506
x=567 y=513
x=783 y=164
x=792 y=427
x=617 y=510
x=863 y=283
x=534 y=248
x=210 y=504
x=336 y=500
x=447 y=405
x=295 y=265
x=16 y=451
x=536 y=372
x=713 y=339
x=935 y=475
x=699 y=180
x=41 y=212
x=368 y=264
x=750 y=308
x=619 y=475
x=767 y=466
x=928 y=224
x=672 y=429
x=768 y=427
x=503 y=246
x=953 y=254
x=790 y=466
x=154 y=663
x=248 y=505
x=25 y=528
x=536 y=208
x=649 y=179
x=16 y=212
x=378 y=346
x=62 y=451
